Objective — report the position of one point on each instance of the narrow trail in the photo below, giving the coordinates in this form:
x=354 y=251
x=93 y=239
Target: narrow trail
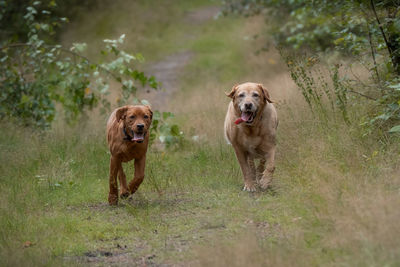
x=168 y=71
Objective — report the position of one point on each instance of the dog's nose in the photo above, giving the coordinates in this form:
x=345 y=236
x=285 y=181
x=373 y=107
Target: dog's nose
x=248 y=105
x=140 y=126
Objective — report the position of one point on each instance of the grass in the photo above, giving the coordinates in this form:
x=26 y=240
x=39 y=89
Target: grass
x=334 y=199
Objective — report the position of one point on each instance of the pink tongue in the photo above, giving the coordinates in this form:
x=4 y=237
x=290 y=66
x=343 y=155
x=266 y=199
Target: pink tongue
x=138 y=136
x=245 y=116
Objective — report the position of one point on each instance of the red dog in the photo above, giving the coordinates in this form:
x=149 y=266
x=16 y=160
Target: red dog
x=128 y=138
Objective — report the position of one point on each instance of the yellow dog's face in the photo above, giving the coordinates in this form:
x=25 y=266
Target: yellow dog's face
x=248 y=99
x=137 y=121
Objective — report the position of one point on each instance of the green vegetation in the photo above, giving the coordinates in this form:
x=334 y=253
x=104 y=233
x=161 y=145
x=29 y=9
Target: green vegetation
x=38 y=76
x=367 y=31
x=334 y=199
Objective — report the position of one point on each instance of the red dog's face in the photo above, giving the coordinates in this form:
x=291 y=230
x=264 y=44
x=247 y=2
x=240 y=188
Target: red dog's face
x=137 y=121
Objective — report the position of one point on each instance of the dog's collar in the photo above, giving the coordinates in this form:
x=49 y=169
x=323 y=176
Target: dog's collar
x=127 y=137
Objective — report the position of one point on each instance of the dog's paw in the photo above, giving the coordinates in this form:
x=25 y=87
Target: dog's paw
x=124 y=194
x=249 y=188
x=113 y=200
x=265 y=183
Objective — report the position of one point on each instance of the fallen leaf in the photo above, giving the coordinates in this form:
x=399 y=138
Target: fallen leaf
x=28 y=244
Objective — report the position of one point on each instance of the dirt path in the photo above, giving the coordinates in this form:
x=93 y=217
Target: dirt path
x=168 y=71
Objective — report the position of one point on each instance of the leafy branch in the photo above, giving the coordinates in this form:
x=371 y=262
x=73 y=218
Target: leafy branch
x=34 y=79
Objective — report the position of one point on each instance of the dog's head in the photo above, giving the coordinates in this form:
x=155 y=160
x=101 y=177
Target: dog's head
x=249 y=99
x=137 y=121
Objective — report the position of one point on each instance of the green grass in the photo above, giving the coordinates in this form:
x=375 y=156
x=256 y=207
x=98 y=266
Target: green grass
x=334 y=199
x=59 y=199
x=153 y=28
x=54 y=190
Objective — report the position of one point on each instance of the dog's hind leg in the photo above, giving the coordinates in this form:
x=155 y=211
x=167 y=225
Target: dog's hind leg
x=269 y=170
x=260 y=169
x=139 y=174
x=123 y=192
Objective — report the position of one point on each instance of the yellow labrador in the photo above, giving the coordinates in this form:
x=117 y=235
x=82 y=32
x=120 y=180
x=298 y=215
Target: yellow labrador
x=250 y=126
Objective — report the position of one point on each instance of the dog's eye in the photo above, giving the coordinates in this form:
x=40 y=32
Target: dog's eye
x=132 y=117
x=145 y=116
x=241 y=95
x=256 y=95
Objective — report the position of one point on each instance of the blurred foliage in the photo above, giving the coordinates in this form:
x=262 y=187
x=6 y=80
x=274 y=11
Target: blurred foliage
x=367 y=30
x=168 y=134
x=35 y=76
x=38 y=78
x=13 y=12
x=317 y=84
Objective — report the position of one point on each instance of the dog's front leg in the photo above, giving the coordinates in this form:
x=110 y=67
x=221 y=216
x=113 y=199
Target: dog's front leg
x=252 y=166
x=139 y=174
x=243 y=157
x=123 y=192
x=269 y=170
x=115 y=164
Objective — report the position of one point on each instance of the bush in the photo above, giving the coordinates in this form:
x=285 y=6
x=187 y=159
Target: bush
x=37 y=78
x=367 y=30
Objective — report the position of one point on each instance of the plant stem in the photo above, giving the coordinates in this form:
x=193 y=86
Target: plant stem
x=16 y=45
x=373 y=52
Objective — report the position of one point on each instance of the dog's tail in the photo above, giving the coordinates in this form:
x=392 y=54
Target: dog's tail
x=226 y=139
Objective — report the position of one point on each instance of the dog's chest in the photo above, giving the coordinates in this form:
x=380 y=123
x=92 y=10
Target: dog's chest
x=252 y=144
x=129 y=151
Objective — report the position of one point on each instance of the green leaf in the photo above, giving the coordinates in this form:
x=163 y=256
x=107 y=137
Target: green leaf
x=167 y=115
x=338 y=41
x=25 y=99
x=156 y=115
x=395 y=86
x=145 y=102
x=79 y=47
x=175 y=130
x=395 y=129
x=139 y=57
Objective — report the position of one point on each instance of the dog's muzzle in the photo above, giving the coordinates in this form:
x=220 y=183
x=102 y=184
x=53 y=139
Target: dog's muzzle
x=139 y=136
x=249 y=113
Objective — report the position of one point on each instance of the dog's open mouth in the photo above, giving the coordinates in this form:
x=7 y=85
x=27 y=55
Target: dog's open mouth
x=248 y=116
x=138 y=137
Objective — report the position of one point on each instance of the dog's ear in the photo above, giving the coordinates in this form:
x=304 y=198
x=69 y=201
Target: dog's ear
x=151 y=112
x=264 y=90
x=121 y=113
x=233 y=91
